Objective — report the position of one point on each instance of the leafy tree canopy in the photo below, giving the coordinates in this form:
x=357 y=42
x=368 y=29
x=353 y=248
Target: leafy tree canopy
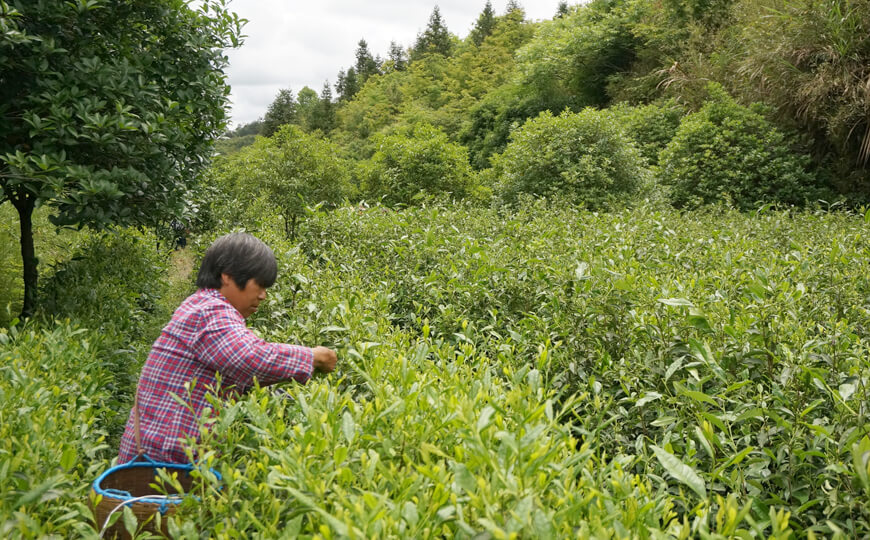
x=584 y=158
x=416 y=161
x=484 y=25
x=287 y=172
x=107 y=110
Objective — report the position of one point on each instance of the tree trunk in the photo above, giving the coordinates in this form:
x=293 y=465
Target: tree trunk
x=25 y=204
x=290 y=226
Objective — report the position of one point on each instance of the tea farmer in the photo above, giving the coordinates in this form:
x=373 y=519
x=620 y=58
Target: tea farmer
x=207 y=338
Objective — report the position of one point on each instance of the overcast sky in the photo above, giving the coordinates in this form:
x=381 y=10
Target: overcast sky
x=293 y=43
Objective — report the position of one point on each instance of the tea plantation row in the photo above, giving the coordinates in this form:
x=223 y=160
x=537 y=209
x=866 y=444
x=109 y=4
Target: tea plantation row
x=548 y=373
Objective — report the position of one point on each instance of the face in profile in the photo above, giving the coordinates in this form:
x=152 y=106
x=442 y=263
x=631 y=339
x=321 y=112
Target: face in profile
x=246 y=300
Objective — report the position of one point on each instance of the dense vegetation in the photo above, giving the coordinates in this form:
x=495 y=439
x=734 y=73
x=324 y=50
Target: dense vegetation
x=548 y=373
x=789 y=77
x=598 y=276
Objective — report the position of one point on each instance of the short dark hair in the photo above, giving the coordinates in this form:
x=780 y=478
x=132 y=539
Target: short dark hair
x=241 y=256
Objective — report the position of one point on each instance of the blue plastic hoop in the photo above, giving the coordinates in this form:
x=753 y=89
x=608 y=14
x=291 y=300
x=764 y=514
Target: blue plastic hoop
x=163 y=501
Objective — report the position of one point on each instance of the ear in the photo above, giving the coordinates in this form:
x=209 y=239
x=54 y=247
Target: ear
x=225 y=279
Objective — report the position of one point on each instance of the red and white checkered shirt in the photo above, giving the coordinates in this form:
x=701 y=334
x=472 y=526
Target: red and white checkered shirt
x=206 y=336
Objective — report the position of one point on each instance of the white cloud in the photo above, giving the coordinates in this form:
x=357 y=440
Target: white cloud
x=292 y=44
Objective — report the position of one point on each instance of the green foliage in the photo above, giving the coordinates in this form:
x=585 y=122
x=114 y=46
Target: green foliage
x=705 y=374
x=10 y=262
x=306 y=108
x=112 y=283
x=251 y=128
x=281 y=111
x=651 y=127
x=484 y=25
x=435 y=39
x=57 y=405
x=583 y=158
x=230 y=145
x=98 y=115
x=812 y=61
x=53 y=245
x=108 y=113
x=729 y=153
x=366 y=65
x=374 y=108
x=417 y=161
x=569 y=61
x=279 y=175
x=671 y=330
x=347 y=85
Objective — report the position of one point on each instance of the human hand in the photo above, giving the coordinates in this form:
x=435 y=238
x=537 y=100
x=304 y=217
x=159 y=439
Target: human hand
x=324 y=359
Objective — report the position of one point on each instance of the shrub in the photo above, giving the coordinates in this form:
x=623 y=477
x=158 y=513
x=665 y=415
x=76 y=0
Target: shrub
x=727 y=152
x=416 y=161
x=584 y=158
x=56 y=410
x=112 y=283
x=651 y=127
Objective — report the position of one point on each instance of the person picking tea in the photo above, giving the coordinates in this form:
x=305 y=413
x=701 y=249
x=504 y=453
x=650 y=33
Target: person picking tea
x=207 y=340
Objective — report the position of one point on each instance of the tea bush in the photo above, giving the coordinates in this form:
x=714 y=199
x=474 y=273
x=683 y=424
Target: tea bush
x=722 y=338
x=729 y=153
x=553 y=372
x=56 y=407
x=583 y=158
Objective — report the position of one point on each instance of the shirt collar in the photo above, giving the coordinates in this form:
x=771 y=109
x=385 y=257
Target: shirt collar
x=214 y=293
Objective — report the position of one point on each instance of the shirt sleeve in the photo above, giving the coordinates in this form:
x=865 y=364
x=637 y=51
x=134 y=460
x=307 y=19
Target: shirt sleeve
x=227 y=346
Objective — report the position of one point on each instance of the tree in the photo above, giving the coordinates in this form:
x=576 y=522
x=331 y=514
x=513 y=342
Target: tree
x=306 y=108
x=811 y=60
x=108 y=110
x=397 y=57
x=366 y=66
x=584 y=158
x=514 y=6
x=562 y=9
x=251 y=128
x=729 y=153
x=347 y=85
x=485 y=24
x=417 y=160
x=281 y=111
x=435 y=39
x=287 y=172
x=323 y=118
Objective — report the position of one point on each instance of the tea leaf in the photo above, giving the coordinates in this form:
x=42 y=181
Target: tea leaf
x=700 y=397
x=647 y=397
x=348 y=426
x=69 y=457
x=409 y=513
x=680 y=471
x=485 y=417
x=676 y=302
x=464 y=478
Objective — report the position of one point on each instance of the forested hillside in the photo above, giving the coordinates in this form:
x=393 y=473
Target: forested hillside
x=765 y=101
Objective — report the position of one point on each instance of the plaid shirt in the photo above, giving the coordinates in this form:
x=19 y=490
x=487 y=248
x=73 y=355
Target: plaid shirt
x=206 y=336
